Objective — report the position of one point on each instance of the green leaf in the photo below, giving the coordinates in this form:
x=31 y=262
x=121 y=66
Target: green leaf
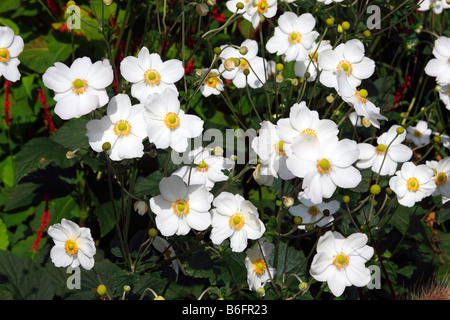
x=444 y=213
x=38 y=153
x=8 y=5
x=364 y=185
x=148 y=186
x=72 y=134
x=21 y=196
x=4 y=241
x=24 y=279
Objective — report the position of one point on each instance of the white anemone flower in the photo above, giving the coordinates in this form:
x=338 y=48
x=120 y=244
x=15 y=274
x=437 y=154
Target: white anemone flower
x=73 y=247
x=262 y=174
x=441 y=171
x=326 y=2
x=10 y=48
x=324 y=165
x=149 y=74
x=206 y=168
x=302 y=120
x=311 y=65
x=437 y=6
x=294 y=36
x=255 y=10
x=235 y=218
x=347 y=58
x=341 y=261
x=439 y=66
x=234 y=63
x=419 y=134
x=180 y=208
x=259 y=272
x=272 y=150
x=412 y=183
x=79 y=89
x=168 y=125
x=121 y=131
x=386 y=155
x=213 y=84
x=358 y=99
x=312 y=213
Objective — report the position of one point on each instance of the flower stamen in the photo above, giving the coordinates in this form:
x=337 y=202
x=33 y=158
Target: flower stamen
x=295 y=37
x=4 y=55
x=262 y=6
x=79 y=86
x=309 y=131
x=441 y=178
x=341 y=260
x=381 y=149
x=172 y=120
x=202 y=166
x=180 y=207
x=122 y=128
x=412 y=184
x=71 y=246
x=313 y=211
x=323 y=166
x=346 y=66
x=237 y=221
x=260 y=266
x=152 y=77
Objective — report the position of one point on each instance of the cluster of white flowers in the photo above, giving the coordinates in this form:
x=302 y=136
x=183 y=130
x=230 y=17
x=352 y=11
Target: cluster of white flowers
x=300 y=146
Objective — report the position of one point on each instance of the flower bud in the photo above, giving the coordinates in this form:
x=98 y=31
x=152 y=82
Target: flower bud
x=437 y=138
x=70 y=155
x=303 y=286
x=388 y=191
x=288 y=201
x=261 y=291
x=106 y=146
x=307 y=75
x=243 y=50
x=280 y=67
x=330 y=98
x=107 y=2
x=326 y=212
x=346 y=199
x=340 y=29
x=375 y=189
x=217 y=50
x=240 y=5
x=202 y=9
x=367 y=33
x=330 y=21
x=345 y=25
x=437 y=88
x=298 y=220
x=294 y=82
x=211 y=2
x=309 y=227
x=246 y=72
x=126 y=288
x=159 y=298
x=153 y=232
x=279 y=78
x=230 y=64
x=141 y=207
x=101 y=289
x=218 y=151
x=71 y=3
x=400 y=130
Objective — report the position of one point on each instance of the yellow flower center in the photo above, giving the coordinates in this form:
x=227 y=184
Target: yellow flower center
x=202 y=166
x=122 y=128
x=243 y=64
x=152 y=77
x=361 y=95
x=309 y=131
x=260 y=266
x=212 y=80
x=417 y=134
x=180 y=207
x=313 y=211
x=295 y=37
x=313 y=56
x=323 y=166
x=381 y=149
x=4 y=55
x=346 y=66
x=237 y=221
x=279 y=148
x=172 y=120
x=79 y=86
x=341 y=260
x=262 y=6
x=441 y=178
x=71 y=246
x=412 y=184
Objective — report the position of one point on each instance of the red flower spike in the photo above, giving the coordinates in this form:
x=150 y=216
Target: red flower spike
x=48 y=117
x=45 y=220
x=7 y=104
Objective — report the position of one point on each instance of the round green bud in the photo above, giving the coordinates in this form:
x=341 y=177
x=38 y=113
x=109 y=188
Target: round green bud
x=246 y=72
x=303 y=286
x=367 y=33
x=400 y=130
x=217 y=50
x=389 y=191
x=330 y=21
x=153 y=232
x=261 y=291
x=288 y=201
x=309 y=227
x=329 y=98
x=307 y=75
x=159 y=298
x=71 y=3
x=326 y=212
x=340 y=29
x=437 y=138
x=101 y=289
x=280 y=67
x=106 y=146
x=243 y=50
x=346 y=199
x=437 y=88
x=126 y=288
x=375 y=189
x=240 y=5
x=345 y=25
x=298 y=220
